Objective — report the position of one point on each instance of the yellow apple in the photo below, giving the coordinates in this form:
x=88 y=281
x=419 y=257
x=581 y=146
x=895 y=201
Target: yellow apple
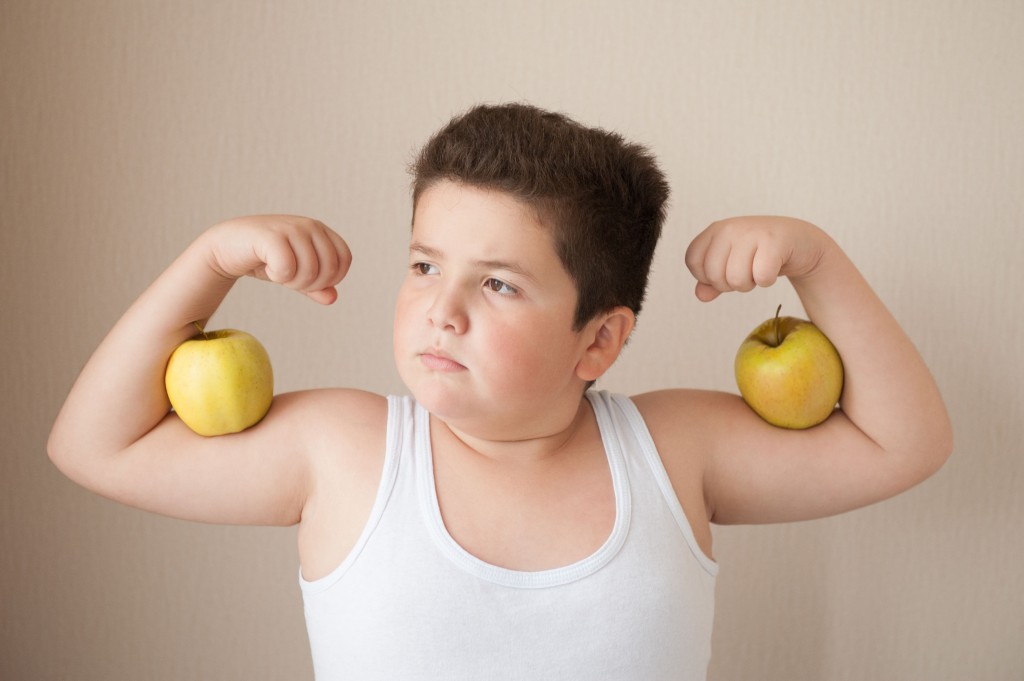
x=789 y=372
x=220 y=382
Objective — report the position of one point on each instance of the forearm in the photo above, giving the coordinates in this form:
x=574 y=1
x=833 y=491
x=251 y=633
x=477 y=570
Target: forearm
x=889 y=393
x=120 y=394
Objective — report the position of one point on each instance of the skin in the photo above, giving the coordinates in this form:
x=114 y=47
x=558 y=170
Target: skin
x=483 y=337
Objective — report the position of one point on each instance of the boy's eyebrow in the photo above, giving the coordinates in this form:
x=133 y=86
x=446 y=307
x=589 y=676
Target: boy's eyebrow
x=431 y=252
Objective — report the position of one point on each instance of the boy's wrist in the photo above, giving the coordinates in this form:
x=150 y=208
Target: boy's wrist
x=821 y=252
x=207 y=249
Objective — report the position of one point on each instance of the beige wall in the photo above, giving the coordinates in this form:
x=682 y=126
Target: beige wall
x=128 y=126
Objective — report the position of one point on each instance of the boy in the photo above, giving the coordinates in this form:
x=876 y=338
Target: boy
x=504 y=522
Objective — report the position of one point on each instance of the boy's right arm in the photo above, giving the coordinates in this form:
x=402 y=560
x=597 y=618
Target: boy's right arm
x=115 y=435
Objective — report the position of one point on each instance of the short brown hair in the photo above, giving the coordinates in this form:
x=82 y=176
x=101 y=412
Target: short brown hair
x=605 y=197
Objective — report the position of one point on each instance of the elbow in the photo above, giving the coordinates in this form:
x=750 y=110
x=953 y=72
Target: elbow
x=945 y=444
x=66 y=457
x=59 y=452
x=54 y=446
x=936 y=447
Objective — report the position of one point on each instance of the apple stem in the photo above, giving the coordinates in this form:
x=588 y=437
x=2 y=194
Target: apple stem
x=778 y=341
x=201 y=330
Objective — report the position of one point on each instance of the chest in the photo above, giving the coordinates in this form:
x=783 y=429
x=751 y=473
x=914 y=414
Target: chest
x=525 y=518
x=629 y=601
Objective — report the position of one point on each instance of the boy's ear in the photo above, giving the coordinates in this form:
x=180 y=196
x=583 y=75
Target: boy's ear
x=607 y=334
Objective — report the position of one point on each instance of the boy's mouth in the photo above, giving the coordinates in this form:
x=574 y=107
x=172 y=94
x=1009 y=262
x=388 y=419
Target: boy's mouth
x=438 y=360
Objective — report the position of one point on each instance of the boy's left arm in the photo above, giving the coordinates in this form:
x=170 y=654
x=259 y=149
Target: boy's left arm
x=891 y=431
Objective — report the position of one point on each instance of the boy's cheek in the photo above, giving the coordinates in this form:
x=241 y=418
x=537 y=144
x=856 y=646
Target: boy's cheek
x=405 y=314
x=527 y=352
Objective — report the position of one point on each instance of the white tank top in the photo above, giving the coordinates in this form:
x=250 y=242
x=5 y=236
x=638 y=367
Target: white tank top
x=409 y=603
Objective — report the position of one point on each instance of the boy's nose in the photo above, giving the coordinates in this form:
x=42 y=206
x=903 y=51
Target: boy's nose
x=448 y=312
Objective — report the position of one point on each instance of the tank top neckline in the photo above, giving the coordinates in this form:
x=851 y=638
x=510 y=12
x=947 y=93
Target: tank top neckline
x=523 y=579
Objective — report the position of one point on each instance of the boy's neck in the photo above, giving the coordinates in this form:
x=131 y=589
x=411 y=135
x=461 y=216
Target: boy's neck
x=527 y=448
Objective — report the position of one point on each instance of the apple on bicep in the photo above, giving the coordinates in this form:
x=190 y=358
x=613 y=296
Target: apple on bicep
x=220 y=382
x=789 y=372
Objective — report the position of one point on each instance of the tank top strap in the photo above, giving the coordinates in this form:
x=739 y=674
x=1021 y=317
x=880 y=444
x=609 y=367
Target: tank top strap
x=644 y=460
x=397 y=454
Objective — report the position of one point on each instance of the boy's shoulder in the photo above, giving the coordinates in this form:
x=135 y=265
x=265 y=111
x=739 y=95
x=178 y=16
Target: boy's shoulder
x=335 y=428
x=339 y=416
x=690 y=427
x=684 y=414
x=349 y=403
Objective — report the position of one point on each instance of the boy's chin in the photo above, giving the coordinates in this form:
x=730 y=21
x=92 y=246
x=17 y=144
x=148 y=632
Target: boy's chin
x=445 y=402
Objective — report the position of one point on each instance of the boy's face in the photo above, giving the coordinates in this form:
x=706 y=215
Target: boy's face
x=483 y=324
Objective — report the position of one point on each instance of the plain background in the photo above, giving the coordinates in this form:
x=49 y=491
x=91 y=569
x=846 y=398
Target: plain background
x=128 y=127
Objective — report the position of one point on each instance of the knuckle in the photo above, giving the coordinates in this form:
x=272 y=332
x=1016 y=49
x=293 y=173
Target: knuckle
x=739 y=283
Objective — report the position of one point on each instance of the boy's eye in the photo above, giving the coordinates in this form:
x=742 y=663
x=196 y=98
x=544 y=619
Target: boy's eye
x=423 y=268
x=498 y=286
